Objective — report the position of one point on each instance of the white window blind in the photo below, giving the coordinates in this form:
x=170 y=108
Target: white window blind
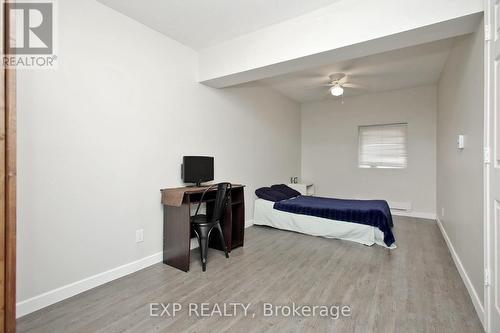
x=383 y=146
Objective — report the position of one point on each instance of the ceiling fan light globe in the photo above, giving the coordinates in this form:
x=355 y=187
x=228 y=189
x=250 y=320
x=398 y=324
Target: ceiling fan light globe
x=337 y=90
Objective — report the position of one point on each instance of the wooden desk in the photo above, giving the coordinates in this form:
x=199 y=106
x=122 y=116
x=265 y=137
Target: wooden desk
x=177 y=231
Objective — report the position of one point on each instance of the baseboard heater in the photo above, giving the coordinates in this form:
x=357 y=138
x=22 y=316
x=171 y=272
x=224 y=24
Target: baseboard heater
x=400 y=206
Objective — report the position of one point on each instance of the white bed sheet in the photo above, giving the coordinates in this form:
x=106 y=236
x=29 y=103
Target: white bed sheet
x=265 y=214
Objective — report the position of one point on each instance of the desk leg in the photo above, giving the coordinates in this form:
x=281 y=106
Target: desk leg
x=176 y=236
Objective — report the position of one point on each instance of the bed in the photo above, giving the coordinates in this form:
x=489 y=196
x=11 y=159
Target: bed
x=366 y=222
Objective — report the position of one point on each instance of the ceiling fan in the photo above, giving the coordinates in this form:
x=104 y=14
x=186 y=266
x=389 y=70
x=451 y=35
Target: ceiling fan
x=338 y=82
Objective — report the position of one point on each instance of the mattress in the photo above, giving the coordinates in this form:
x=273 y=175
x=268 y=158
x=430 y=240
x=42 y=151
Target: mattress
x=265 y=214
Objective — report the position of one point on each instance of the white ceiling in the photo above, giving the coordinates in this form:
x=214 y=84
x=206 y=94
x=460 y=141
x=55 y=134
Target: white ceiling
x=203 y=23
x=403 y=68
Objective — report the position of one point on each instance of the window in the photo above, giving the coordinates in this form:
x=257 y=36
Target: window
x=383 y=146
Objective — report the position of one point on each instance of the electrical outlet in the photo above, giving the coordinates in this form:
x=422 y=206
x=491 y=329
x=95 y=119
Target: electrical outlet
x=139 y=235
x=442 y=211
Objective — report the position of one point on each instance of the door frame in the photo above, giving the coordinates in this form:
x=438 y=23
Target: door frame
x=489 y=119
x=8 y=181
x=486 y=171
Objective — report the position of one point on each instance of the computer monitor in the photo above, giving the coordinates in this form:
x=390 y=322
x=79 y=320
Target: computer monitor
x=197 y=169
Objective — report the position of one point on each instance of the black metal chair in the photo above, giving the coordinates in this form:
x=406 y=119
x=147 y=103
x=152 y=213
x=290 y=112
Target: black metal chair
x=204 y=224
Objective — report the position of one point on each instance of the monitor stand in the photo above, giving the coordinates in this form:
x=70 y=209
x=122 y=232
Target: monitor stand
x=198 y=184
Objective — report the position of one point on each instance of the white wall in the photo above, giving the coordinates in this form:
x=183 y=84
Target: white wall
x=330 y=147
x=460 y=173
x=99 y=137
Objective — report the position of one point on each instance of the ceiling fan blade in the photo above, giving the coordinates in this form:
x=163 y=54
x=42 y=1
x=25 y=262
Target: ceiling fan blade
x=345 y=79
x=319 y=86
x=353 y=86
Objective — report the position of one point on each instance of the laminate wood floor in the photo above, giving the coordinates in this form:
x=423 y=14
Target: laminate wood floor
x=414 y=288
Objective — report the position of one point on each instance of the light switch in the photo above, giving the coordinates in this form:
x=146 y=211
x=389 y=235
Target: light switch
x=461 y=141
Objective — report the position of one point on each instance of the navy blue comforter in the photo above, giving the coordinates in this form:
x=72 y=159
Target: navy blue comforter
x=369 y=212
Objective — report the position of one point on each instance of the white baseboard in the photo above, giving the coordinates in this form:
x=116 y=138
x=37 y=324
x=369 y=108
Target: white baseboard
x=48 y=298
x=465 y=277
x=420 y=215
x=56 y=295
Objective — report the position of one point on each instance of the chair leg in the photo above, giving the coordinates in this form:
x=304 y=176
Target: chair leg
x=203 y=251
x=218 y=227
x=202 y=233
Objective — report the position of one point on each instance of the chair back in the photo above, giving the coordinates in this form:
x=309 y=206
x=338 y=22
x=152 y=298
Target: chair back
x=222 y=199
